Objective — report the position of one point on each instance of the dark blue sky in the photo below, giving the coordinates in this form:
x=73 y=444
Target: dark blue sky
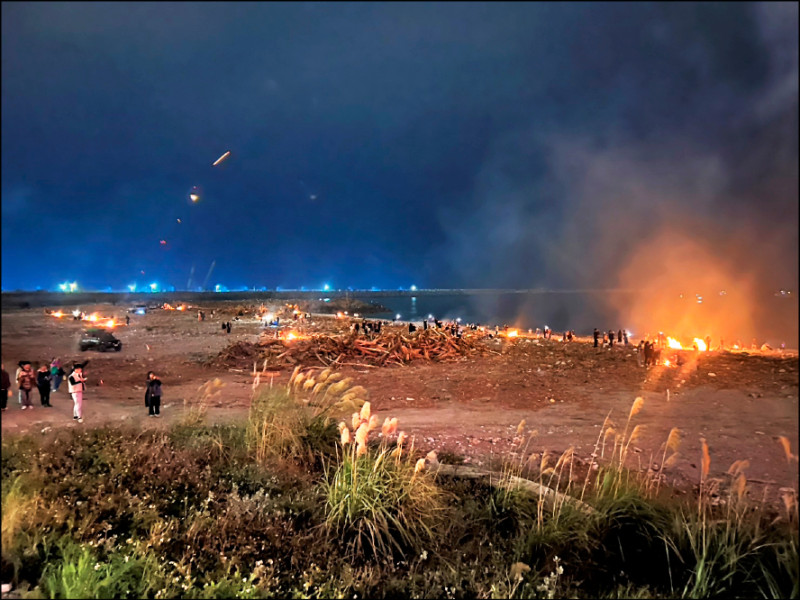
x=442 y=145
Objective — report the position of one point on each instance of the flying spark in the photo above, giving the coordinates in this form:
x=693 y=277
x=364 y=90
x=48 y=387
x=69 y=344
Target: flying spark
x=221 y=158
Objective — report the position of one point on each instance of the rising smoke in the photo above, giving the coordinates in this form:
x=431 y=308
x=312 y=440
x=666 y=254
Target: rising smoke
x=705 y=207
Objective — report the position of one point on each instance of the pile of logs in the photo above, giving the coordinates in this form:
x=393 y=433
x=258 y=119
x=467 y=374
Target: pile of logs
x=387 y=348
x=238 y=353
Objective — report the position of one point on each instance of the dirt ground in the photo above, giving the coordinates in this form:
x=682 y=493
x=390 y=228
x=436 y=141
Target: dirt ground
x=739 y=402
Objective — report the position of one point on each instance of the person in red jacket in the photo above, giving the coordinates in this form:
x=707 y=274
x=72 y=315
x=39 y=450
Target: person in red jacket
x=26 y=381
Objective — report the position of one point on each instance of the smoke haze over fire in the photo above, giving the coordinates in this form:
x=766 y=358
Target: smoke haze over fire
x=689 y=186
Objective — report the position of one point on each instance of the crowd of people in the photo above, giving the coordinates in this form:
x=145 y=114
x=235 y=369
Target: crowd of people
x=47 y=380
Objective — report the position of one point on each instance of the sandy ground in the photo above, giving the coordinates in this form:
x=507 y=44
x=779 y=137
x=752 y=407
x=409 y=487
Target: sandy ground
x=740 y=403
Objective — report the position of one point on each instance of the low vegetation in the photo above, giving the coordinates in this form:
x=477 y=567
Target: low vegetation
x=316 y=497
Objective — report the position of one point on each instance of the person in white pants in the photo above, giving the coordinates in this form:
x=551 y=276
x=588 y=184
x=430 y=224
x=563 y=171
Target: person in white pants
x=77 y=384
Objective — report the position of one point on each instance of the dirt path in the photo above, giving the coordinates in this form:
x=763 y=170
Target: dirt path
x=740 y=404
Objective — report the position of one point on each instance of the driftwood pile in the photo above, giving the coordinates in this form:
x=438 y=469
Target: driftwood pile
x=387 y=348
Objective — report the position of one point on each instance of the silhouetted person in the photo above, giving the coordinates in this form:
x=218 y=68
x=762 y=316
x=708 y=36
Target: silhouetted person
x=648 y=353
x=596 y=336
x=619 y=336
x=625 y=337
x=611 y=338
x=228 y=327
x=708 y=343
x=43 y=382
x=411 y=328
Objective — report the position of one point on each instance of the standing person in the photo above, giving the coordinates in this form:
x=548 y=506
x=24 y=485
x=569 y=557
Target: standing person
x=596 y=335
x=611 y=338
x=5 y=383
x=625 y=336
x=147 y=393
x=77 y=385
x=43 y=379
x=57 y=373
x=26 y=382
x=619 y=336
x=154 y=391
x=228 y=327
x=16 y=380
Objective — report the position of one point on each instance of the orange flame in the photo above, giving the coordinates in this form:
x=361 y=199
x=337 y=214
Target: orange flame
x=513 y=333
x=57 y=314
x=701 y=345
x=674 y=344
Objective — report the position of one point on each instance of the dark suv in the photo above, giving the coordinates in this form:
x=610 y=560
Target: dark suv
x=98 y=339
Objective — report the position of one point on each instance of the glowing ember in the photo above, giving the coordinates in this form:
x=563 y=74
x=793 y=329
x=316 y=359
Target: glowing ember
x=666 y=363
x=291 y=336
x=701 y=345
x=110 y=323
x=513 y=333
x=58 y=314
x=181 y=307
x=339 y=315
x=92 y=317
x=221 y=158
x=674 y=344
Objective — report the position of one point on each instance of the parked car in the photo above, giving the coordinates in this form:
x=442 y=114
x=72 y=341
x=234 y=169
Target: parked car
x=99 y=339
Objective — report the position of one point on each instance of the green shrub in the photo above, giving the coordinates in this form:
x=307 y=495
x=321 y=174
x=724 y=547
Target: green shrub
x=80 y=574
x=380 y=503
x=296 y=422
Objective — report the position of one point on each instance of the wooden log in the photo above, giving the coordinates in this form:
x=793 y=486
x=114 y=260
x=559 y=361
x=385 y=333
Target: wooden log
x=550 y=496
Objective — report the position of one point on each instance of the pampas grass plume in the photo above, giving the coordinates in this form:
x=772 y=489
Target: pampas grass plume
x=637 y=406
x=365 y=410
x=706 y=463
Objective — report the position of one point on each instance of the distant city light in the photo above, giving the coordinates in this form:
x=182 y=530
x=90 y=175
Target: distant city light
x=413 y=288
x=397 y=316
x=132 y=287
x=73 y=286
x=430 y=316
x=458 y=320
x=217 y=288
x=326 y=287
x=62 y=287
x=153 y=287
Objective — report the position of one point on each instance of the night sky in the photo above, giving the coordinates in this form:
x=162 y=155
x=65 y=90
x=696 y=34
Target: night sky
x=441 y=145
